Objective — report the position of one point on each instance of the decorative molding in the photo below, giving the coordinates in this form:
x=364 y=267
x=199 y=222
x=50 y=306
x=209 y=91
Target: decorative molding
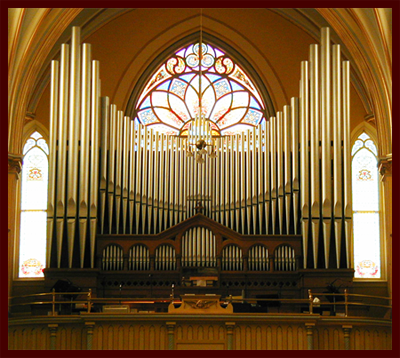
x=385 y=166
x=370 y=118
x=29 y=116
x=14 y=163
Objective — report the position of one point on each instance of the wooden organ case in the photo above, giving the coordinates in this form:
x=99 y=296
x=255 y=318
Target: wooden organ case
x=129 y=214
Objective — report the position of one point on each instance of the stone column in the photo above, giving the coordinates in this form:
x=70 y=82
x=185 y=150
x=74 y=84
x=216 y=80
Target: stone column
x=89 y=334
x=385 y=169
x=171 y=336
x=346 y=330
x=53 y=335
x=310 y=337
x=14 y=170
x=229 y=333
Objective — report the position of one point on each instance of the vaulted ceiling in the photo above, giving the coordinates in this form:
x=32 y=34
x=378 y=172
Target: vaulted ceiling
x=128 y=41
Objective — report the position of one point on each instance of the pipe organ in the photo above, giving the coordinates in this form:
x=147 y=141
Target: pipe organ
x=258 y=258
x=139 y=258
x=112 y=176
x=198 y=248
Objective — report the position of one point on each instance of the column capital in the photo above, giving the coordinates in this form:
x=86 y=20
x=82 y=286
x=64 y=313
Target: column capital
x=90 y=324
x=170 y=325
x=53 y=327
x=230 y=326
x=14 y=163
x=347 y=328
x=385 y=166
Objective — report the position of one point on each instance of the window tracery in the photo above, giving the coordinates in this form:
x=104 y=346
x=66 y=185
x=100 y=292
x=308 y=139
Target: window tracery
x=365 y=189
x=182 y=85
x=34 y=179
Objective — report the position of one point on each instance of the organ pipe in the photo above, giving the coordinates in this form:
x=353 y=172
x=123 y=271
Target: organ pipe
x=62 y=149
x=314 y=148
x=54 y=88
x=111 y=165
x=280 y=167
x=295 y=158
x=287 y=159
x=125 y=174
x=347 y=159
x=266 y=174
x=118 y=168
x=132 y=175
x=73 y=139
x=84 y=150
x=105 y=111
x=326 y=139
x=304 y=130
x=94 y=156
x=337 y=152
x=273 y=165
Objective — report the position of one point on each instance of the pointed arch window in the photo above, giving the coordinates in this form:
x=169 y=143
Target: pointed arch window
x=181 y=86
x=365 y=188
x=34 y=179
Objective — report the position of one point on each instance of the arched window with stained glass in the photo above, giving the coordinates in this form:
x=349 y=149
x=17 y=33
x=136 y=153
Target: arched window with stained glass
x=194 y=82
x=365 y=187
x=34 y=179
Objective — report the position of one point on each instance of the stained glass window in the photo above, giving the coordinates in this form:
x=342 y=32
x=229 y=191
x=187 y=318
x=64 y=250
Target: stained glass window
x=182 y=85
x=365 y=185
x=32 y=248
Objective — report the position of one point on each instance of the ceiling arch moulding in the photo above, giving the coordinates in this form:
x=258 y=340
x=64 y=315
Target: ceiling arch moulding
x=128 y=86
x=89 y=20
x=39 y=30
x=192 y=38
x=311 y=21
x=354 y=35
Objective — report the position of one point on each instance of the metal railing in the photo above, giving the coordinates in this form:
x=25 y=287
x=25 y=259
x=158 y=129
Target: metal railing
x=338 y=299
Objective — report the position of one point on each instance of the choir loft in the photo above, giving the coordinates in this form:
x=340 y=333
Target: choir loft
x=179 y=168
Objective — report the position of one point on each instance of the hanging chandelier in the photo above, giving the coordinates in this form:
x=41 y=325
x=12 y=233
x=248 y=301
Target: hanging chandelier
x=199 y=141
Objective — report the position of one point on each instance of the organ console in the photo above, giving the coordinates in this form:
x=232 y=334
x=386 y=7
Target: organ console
x=124 y=198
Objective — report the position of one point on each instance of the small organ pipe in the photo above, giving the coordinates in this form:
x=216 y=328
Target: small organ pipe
x=294 y=103
x=125 y=171
x=162 y=183
x=150 y=192
x=111 y=165
x=255 y=179
x=132 y=175
x=138 y=196
x=231 y=206
x=260 y=175
x=266 y=175
x=156 y=185
x=118 y=171
x=105 y=130
x=274 y=191
x=280 y=167
x=248 y=184
x=242 y=182
x=287 y=158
